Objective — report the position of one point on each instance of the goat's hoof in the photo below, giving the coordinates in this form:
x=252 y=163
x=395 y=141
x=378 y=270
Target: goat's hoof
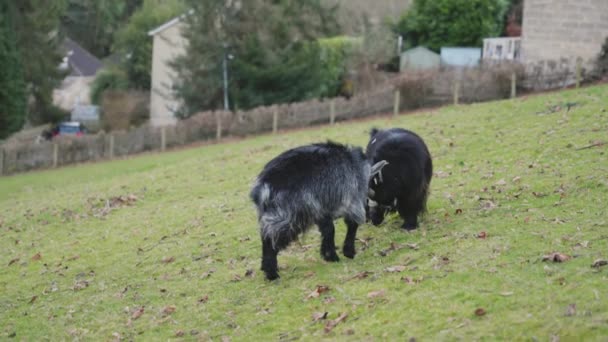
x=349 y=252
x=408 y=227
x=333 y=257
x=272 y=275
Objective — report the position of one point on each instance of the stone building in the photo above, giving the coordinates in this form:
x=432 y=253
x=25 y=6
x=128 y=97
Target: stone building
x=168 y=44
x=558 y=32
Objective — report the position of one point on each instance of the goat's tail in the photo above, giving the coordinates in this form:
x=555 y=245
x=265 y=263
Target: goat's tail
x=260 y=194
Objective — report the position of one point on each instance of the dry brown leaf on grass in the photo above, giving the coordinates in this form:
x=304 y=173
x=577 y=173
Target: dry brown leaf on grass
x=376 y=294
x=317 y=291
x=480 y=312
x=204 y=299
x=481 y=235
x=79 y=285
x=393 y=247
x=13 y=261
x=411 y=281
x=360 y=275
x=37 y=257
x=599 y=263
x=395 y=269
x=413 y=246
x=33 y=299
x=167 y=260
x=317 y=316
x=571 y=310
x=168 y=310
x=179 y=333
x=556 y=257
x=137 y=313
x=333 y=323
x=329 y=300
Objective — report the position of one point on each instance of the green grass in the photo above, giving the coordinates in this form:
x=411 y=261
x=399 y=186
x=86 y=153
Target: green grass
x=514 y=169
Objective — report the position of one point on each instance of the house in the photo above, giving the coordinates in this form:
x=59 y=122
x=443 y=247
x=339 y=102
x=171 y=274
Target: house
x=563 y=31
x=419 y=58
x=168 y=44
x=81 y=67
x=501 y=49
x=460 y=56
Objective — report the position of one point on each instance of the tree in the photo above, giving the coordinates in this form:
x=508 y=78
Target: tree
x=36 y=26
x=92 y=23
x=277 y=57
x=437 y=23
x=13 y=98
x=132 y=40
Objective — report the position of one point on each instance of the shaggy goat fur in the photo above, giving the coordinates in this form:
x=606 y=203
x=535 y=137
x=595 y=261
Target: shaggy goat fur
x=307 y=185
x=403 y=185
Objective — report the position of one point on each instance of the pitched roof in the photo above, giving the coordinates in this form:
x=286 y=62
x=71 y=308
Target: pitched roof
x=81 y=61
x=169 y=23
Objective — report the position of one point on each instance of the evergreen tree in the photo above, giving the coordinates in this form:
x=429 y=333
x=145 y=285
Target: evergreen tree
x=13 y=97
x=93 y=23
x=37 y=24
x=274 y=43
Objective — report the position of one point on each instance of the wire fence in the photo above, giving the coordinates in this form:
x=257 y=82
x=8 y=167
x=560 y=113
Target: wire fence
x=408 y=90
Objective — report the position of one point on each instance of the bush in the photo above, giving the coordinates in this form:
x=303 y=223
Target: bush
x=416 y=87
x=440 y=23
x=111 y=79
x=336 y=53
x=600 y=69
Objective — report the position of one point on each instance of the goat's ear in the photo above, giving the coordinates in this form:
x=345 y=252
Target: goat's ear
x=373 y=132
x=376 y=168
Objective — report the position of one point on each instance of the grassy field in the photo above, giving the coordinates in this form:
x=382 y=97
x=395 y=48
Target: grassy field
x=166 y=246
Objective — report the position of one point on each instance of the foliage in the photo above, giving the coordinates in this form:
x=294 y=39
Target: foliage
x=132 y=40
x=108 y=79
x=337 y=55
x=13 y=96
x=437 y=23
x=276 y=56
x=93 y=23
x=179 y=259
x=37 y=29
x=600 y=69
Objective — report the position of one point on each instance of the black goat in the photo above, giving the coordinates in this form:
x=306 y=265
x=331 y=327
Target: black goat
x=313 y=184
x=403 y=185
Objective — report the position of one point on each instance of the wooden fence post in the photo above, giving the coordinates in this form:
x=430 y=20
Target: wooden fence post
x=111 y=154
x=579 y=68
x=218 y=120
x=1 y=161
x=397 y=104
x=456 y=91
x=332 y=112
x=163 y=139
x=513 y=85
x=275 y=120
x=55 y=154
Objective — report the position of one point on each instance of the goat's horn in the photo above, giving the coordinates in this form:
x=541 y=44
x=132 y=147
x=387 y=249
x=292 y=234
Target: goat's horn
x=376 y=168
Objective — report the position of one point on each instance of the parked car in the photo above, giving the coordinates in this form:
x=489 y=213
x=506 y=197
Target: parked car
x=72 y=128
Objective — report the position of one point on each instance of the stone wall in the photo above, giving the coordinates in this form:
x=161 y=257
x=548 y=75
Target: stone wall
x=558 y=32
